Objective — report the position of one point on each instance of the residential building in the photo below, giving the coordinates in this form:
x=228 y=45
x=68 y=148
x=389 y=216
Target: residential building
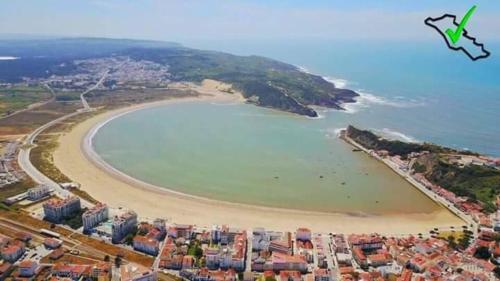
x=73 y=271
x=180 y=231
x=95 y=215
x=38 y=192
x=290 y=275
x=13 y=250
x=303 y=234
x=146 y=245
x=27 y=268
x=366 y=242
x=287 y=262
x=52 y=243
x=5 y=269
x=57 y=209
x=322 y=274
x=122 y=225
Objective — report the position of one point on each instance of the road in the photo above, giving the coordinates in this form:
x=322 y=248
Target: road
x=24 y=153
x=85 y=104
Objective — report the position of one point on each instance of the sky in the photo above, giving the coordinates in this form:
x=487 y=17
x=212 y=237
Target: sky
x=242 y=19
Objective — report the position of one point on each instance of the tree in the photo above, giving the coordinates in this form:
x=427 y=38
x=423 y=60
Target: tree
x=198 y=252
x=451 y=242
x=482 y=253
x=464 y=241
x=118 y=261
x=106 y=258
x=497 y=271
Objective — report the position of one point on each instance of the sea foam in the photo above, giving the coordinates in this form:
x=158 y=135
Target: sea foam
x=366 y=99
x=8 y=58
x=395 y=135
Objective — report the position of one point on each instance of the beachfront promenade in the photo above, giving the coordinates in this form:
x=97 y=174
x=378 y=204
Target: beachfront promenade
x=406 y=175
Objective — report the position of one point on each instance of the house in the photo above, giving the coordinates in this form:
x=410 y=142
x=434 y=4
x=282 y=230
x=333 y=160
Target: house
x=365 y=242
x=27 y=268
x=322 y=274
x=187 y=262
x=303 y=234
x=180 y=230
x=379 y=259
x=52 y=243
x=290 y=275
x=23 y=236
x=12 y=251
x=5 y=270
x=73 y=271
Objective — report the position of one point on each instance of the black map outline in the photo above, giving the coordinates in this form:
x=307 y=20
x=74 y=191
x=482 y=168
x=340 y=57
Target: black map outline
x=465 y=34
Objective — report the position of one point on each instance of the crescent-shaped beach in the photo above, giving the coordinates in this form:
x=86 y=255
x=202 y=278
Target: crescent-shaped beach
x=76 y=159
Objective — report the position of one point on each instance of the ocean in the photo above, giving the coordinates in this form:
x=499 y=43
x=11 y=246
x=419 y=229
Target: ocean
x=414 y=91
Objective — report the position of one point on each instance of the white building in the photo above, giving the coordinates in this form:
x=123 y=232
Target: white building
x=95 y=215
x=38 y=192
x=123 y=225
x=56 y=209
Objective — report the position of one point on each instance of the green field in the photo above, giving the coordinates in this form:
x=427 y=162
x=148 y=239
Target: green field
x=17 y=98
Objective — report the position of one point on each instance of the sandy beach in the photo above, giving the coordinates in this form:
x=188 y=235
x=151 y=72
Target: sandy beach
x=76 y=160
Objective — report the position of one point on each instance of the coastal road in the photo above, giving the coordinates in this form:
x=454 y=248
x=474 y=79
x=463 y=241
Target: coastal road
x=24 y=153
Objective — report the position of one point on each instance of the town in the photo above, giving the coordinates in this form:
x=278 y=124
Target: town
x=216 y=252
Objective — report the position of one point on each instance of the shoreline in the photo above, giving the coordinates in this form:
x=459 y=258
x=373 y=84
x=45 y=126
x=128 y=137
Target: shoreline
x=407 y=177
x=120 y=190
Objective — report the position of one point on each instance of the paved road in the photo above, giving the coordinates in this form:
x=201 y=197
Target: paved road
x=24 y=153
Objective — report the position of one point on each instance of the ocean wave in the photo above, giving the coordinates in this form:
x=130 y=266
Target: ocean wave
x=303 y=69
x=333 y=133
x=365 y=100
x=8 y=58
x=395 y=135
x=338 y=82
